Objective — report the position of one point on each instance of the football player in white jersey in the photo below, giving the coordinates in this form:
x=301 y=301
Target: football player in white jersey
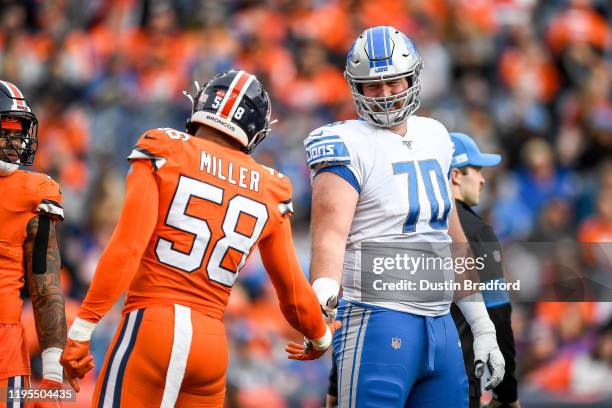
x=380 y=183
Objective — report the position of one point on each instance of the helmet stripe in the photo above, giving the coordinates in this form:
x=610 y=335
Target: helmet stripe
x=380 y=47
x=388 y=47
x=228 y=93
x=234 y=94
x=369 y=41
x=378 y=35
x=385 y=35
x=15 y=93
x=243 y=90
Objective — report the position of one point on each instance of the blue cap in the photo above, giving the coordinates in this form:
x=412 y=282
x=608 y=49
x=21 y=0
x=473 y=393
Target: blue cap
x=467 y=153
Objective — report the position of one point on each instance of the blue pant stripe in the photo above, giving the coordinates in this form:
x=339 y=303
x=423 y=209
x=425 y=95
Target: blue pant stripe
x=355 y=358
x=343 y=347
x=110 y=362
x=124 y=360
x=10 y=386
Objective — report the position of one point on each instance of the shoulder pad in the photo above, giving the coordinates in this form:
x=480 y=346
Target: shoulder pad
x=156 y=144
x=281 y=190
x=49 y=197
x=273 y=172
x=326 y=146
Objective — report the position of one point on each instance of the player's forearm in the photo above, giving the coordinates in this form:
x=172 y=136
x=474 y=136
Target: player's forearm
x=43 y=266
x=296 y=298
x=327 y=259
x=303 y=313
x=114 y=273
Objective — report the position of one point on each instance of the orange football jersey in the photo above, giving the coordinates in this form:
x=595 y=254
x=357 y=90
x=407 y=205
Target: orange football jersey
x=23 y=194
x=215 y=205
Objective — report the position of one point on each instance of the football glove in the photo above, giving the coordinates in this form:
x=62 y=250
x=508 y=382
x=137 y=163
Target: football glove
x=488 y=353
x=312 y=349
x=327 y=291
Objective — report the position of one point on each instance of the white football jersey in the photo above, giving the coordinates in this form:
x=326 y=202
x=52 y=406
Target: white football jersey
x=404 y=194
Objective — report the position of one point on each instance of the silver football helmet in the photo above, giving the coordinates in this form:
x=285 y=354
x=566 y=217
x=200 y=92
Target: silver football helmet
x=384 y=53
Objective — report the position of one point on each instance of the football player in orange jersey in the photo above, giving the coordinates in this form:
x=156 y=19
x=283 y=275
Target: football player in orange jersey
x=196 y=205
x=30 y=206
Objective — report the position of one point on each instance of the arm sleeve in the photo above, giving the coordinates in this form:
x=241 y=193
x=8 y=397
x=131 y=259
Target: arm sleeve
x=298 y=301
x=121 y=257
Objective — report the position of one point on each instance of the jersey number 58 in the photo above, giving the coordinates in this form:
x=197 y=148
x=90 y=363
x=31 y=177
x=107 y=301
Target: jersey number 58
x=177 y=218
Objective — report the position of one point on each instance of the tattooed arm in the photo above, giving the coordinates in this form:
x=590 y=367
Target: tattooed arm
x=42 y=264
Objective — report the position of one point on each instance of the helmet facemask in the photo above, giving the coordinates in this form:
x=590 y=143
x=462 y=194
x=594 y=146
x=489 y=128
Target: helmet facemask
x=18 y=145
x=387 y=111
x=261 y=135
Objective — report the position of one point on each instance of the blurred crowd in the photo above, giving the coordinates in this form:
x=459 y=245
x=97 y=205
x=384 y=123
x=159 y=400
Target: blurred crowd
x=530 y=80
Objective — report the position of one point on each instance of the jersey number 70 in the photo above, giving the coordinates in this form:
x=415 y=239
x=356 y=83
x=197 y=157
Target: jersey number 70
x=435 y=185
x=177 y=218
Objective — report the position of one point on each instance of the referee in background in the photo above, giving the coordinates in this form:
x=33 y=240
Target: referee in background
x=466 y=184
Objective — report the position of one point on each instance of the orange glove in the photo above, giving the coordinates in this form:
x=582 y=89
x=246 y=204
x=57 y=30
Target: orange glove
x=308 y=350
x=77 y=361
x=48 y=385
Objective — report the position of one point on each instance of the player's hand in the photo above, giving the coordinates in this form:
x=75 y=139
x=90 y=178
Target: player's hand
x=308 y=350
x=77 y=361
x=486 y=352
x=48 y=385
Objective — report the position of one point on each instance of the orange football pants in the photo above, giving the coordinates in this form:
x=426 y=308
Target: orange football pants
x=164 y=356
x=14 y=356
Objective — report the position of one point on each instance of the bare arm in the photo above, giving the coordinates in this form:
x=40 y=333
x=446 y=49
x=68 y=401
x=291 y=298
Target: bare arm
x=43 y=266
x=333 y=205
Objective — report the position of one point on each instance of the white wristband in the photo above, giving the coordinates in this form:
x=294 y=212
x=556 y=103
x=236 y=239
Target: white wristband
x=81 y=330
x=324 y=342
x=325 y=288
x=51 y=367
